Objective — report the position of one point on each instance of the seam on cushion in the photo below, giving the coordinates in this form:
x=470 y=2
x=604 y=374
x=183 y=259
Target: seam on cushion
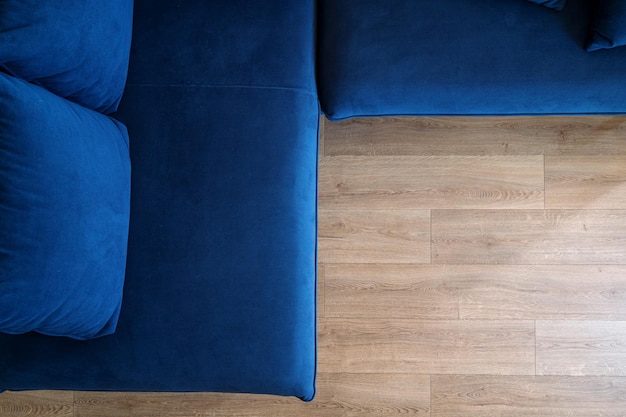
x=312 y=92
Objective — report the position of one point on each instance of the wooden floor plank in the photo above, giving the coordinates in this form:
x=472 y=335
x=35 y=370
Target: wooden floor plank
x=558 y=292
x=354 y=395
x=372 y=394
x=389 y=291
x=321 y=290
x=414 y=182
x=488 y=292
x=586 y=182
x=37 y=404
x=527 y=396
x=149 y=404
x=581 y=348
x=602 y=135
x=426 y=347
x=322 y=135
x=529 y=236
x=373 y=236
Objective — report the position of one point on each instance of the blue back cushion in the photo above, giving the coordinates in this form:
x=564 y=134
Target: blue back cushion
x=458 y=57
x=608 y=26
x=553 y=4
x=228 y=43
x=64 y=214
x=76 y=49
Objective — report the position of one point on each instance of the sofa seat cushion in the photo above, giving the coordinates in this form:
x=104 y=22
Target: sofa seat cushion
x=76 y=49
x=220 y=285
x=227 y=42
x=64 y=214
x=458 y=57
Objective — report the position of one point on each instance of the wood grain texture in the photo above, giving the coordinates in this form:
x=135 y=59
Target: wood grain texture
x=529 y=236
x=353 y=395
x=602 y=135
x=390 y=291
x=563 y=292
x=372 y=395
x=322 y=135
x=373 y=236
x=581 y=348
x=586 y=182
x=129 y=404
x=527 y=396
x=486 y=292
x=426 y=347
x=414 y=182
x=321 y=290
x=37 y=403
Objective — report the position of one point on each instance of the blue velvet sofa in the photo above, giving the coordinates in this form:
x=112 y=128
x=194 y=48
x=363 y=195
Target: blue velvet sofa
x=222 y=115
x=471 y=57
x=197 y=271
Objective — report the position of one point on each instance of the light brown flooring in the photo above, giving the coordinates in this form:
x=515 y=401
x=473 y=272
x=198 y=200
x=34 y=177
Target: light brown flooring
x=468 y=267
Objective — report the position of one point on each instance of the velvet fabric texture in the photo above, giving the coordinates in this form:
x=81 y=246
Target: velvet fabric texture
x=458 y=57
x=77 y=49
x=64 y=213
x=553 y=4
x=221 y=272
x=220 y=285
x=236 y=42
x=608 y=27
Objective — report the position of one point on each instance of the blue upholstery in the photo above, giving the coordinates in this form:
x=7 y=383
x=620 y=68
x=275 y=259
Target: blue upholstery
x=458 y=57
x=222 y=115
x=226 y=42
x=553 y=4
x=608 y=25
x=219 y=292
x=76 y=49
x=64 y=207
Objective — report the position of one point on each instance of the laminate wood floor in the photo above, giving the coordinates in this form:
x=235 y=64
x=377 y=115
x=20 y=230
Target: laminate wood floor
x=469 y=267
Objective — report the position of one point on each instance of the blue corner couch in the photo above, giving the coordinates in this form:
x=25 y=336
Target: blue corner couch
x=213 y=235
